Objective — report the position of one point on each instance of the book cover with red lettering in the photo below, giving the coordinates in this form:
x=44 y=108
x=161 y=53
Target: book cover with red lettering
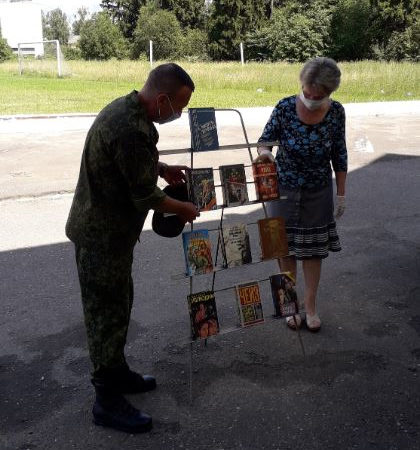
x=265 y=178
x=249 y=303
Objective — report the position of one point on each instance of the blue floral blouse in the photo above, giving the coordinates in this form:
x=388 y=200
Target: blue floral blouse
x=305 y=151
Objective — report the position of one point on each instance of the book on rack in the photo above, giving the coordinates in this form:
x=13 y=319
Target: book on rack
x=197 y=251
x=265 y=178
x=201 y=190
x=233 y=181
x=203 y=129
x=235 y=246
x=203 y=314
x=284 y=294
x=273 y=238
x=249 y=303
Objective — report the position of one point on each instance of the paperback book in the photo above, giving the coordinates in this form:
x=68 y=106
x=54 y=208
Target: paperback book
x=203 y=129
x=233 y=181
x=249 y=303
x=265 y=178
x=203 y=314
x=273 y=238
x=201 y=190
x=197 y=251
x=284 y=295
x=236 y=248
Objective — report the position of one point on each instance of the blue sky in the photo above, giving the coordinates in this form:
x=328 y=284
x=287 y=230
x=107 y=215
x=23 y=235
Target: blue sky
x=70 y=7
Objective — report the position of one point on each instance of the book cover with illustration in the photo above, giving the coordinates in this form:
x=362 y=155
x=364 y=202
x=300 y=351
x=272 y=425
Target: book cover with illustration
x=233 y=181
x=203 y=129
x=249 y=303
x=197 y=251
x=273 y=238
x=265 y=178
x=201 y=190
x=284 y=295
x=203 y=314
x=236 y=248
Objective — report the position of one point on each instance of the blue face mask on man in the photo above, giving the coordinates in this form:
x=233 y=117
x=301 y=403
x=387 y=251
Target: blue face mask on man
x=172 y=117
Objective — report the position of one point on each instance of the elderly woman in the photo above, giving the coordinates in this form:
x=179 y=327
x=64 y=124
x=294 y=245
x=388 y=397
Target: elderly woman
x=311 y=129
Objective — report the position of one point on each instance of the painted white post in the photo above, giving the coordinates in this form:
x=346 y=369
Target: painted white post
x=242 y=53
x=58 y=58
x=151 y=53
x=20 y=60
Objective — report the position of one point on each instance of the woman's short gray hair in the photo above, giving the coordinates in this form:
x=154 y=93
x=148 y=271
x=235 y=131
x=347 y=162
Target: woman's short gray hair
x=322 y=72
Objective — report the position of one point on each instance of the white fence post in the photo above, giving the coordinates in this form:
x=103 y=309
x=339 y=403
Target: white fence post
x=242 y=53
x=59 y=68
x=151 y=53
x=20 y=60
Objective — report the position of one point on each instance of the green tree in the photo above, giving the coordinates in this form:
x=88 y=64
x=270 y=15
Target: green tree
x=124 y=13
x=56 y=26
x=101 y=39
x=229 y=22
x=194 y=45
x=159 y=26
x=5 y=50
x=392 y=16
x=80 y=18
x=351 y=35
x=404 y=45
x=190 y=13
x=294 y=33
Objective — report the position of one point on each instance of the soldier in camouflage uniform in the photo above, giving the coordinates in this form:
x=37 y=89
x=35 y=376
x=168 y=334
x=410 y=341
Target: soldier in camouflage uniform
x=116 y=189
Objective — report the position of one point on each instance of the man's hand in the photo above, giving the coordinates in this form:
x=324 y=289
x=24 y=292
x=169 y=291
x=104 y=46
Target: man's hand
x=173 y=175
x=188 y=212
x=340 y=206
x=264 y=155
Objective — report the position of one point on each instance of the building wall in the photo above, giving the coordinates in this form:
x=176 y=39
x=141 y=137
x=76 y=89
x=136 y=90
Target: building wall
x=22 y=22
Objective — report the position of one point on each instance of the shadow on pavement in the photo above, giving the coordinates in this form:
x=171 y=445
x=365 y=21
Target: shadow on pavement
x=357 y=387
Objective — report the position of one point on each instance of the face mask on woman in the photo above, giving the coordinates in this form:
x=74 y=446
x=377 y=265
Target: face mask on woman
x=312 y=104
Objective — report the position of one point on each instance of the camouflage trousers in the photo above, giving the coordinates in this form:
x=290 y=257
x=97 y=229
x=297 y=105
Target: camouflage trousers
x=107 y=297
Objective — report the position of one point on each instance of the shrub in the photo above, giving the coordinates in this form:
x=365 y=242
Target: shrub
x=101 y=39
x=71 y=53
x=404 y=45
x=292 y=34
x=350 y=31
x=194 y=45
x=5 y=51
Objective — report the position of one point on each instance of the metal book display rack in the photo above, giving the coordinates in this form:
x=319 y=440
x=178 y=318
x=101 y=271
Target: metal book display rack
x=204 y=138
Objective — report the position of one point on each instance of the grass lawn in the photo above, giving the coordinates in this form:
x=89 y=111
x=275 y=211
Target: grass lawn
x=92 y=84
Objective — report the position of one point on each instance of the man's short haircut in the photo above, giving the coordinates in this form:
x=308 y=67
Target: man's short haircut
x=168 y=78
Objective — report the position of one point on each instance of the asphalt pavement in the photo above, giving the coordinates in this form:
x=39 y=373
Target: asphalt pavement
x=356 y=386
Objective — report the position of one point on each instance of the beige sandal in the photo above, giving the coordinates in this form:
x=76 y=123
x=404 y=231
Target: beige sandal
x=294 y=322
x=313 y=323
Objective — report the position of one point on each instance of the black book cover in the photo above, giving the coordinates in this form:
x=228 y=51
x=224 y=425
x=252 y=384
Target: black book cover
x=203 y=129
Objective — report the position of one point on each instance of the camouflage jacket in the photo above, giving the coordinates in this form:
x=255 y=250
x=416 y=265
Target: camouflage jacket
x=117 y=180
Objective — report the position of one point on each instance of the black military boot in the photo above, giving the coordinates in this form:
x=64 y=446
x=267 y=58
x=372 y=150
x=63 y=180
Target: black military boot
x=112 y=410
x=130 y=382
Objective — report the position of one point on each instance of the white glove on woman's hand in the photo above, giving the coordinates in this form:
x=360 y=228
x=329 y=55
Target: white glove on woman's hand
x=264 y=155
x=340 y=206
